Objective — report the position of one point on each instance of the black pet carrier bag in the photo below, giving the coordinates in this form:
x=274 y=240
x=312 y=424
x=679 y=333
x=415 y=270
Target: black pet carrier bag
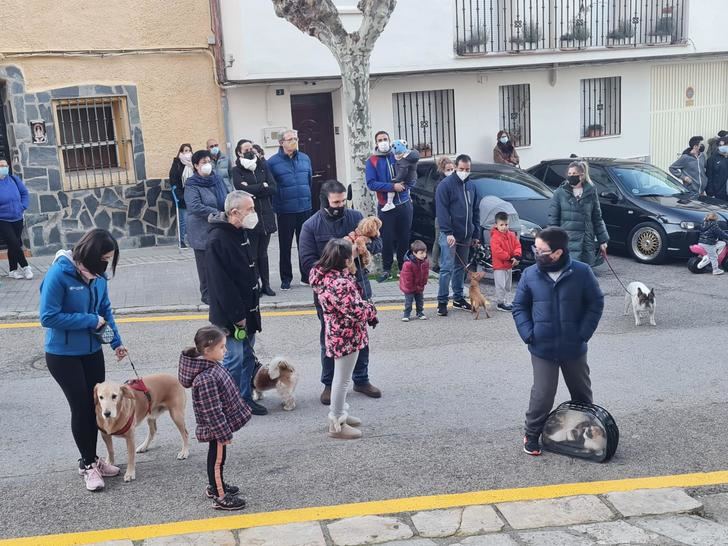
x=581 y=430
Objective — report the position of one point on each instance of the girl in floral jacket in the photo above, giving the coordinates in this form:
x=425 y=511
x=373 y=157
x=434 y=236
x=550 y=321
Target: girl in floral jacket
x=346 y=315
x=219 y=409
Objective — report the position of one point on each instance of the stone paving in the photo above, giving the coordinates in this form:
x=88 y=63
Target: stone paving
x=164 y=280
x=661 y=517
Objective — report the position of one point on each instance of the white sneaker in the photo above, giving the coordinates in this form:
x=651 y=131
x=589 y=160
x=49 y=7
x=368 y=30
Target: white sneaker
x=718 y=272
x=16 y=274
x=27 y=272
x=93 y=479
x=388 y=206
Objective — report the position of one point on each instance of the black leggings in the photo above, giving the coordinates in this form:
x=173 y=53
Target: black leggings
x=77 y=376
x=215 y=461
x=12 y=234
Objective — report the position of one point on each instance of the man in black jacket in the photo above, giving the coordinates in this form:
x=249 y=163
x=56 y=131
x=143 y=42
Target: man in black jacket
x=335 y=221
x=233 y=288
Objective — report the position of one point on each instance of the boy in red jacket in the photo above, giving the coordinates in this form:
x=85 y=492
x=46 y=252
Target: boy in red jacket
x=413 y=278
x=506 y=251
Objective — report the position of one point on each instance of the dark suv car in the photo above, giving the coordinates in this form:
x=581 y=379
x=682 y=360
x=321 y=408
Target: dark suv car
x=528 y=196
x=646 y=210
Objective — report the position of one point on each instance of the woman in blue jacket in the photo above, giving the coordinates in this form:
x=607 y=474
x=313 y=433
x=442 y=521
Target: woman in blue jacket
x=13 y=202
x=74 y=303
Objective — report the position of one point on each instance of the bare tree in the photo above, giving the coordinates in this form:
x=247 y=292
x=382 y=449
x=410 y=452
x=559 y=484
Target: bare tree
x=352 y=50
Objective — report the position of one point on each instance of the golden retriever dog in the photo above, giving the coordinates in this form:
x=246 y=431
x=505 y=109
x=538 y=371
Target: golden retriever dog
x=120 y=409
x=280 y=375
x=477 y=299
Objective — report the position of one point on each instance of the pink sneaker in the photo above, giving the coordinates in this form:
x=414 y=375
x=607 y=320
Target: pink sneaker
x=107 y=470
x=93 y=479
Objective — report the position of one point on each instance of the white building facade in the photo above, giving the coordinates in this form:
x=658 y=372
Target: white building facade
x=608 y=78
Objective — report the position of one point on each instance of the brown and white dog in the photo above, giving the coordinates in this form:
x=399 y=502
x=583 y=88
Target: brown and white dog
x=280 y=375
x=477 y=299
x=120 y=409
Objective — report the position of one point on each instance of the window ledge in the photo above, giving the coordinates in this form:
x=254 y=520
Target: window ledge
x=605 y=137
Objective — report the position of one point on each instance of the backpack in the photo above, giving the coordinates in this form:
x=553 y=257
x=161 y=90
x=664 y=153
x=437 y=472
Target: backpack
x=581 y=430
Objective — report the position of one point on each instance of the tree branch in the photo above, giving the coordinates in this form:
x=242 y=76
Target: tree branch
x=317 y=18
x=376 y=16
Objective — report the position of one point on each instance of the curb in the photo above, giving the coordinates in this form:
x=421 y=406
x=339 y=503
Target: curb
x=201 y=308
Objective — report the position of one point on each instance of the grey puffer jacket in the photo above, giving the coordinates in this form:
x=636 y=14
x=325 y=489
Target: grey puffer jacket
x=582 y=220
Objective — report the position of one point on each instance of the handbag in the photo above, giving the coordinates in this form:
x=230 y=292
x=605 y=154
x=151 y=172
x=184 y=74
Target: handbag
x=581 y=430
x=105 y=334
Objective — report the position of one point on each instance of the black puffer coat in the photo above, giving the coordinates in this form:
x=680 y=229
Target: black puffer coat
x=261 y=185
x=581 y=219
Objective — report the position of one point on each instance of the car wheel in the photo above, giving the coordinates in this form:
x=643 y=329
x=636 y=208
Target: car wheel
x=693 y=265
x=648 y=243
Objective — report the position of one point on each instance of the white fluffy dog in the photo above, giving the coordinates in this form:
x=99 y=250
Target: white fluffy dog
x=280 y=375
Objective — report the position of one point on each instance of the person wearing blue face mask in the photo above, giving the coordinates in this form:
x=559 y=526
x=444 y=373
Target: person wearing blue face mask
x=220 y=162
x=13 y=202
x=717 y=170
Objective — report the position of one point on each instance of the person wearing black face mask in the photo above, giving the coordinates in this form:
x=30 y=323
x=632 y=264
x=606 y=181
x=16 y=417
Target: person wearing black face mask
x=575 y=208
x=74 y=305
x=252 y=175
x=557 y=309
x=690 y=167
x=335 y=221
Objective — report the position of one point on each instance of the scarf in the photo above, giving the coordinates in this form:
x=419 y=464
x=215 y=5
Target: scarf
x=250 y=164
x=188 y=170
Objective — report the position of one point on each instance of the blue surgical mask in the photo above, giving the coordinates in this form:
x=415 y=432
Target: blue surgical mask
x=214 y=150
x=721 y=149
x=504 y=140
x=4 y=171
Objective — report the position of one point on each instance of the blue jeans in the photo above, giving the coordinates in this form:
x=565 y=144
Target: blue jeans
x=240 y=362
x=361 y=369
x=182 y=219
x=452 y=267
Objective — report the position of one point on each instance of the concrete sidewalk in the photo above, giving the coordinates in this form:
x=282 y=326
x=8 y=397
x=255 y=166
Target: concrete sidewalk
x=164 y=280
x=649 y=516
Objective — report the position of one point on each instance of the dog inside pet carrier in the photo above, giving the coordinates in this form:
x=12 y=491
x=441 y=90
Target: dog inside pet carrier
x=490 y=205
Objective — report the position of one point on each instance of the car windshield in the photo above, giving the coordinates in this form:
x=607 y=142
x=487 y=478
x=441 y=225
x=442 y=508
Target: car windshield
x=509 y=186
x=647 y=181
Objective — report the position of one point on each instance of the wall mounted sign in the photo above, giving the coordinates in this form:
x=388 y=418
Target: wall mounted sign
x=38 y=132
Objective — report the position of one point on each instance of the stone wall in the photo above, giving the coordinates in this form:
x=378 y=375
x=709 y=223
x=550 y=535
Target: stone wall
x=139 y=214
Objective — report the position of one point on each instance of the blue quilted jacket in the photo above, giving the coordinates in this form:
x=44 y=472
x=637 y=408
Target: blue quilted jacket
x=293 y=176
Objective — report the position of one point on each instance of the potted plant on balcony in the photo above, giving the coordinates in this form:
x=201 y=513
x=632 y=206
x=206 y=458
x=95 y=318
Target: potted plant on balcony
x=579 y=34
x=472 y=45
x=621 y=34
x=593 y=131
x=528 y=36
x=664 y=28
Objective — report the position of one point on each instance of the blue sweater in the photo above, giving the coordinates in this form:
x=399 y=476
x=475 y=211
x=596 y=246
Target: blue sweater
x=557 y=319
x=456 y=208
x=70 y=309
x=293 y=176
x=13 y=199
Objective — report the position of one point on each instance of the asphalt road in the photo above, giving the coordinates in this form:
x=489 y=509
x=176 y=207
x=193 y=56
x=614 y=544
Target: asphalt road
x=455 y=391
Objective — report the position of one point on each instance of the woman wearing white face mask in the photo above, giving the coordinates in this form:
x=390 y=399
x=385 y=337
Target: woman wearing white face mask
x=504 y=151
x=252 y=175
x=179 y=172
x=205 y=194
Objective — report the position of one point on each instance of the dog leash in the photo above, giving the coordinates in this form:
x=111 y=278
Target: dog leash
x=132 y=365
x=614 y=273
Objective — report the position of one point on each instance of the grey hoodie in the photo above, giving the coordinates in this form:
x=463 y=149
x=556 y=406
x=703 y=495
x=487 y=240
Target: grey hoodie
x=694 y=168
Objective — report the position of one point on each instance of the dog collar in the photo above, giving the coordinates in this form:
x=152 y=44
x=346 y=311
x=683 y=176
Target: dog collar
x=123 y=430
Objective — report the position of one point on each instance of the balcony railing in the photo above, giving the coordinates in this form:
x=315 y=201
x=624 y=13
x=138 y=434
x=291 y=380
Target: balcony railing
x=513 y=26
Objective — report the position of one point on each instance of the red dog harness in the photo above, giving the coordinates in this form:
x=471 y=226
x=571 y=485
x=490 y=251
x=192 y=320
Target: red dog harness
x=137 y=385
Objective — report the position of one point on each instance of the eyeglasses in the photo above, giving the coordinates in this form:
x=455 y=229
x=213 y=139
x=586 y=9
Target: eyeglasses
x=538 y=252
x=291 y=139
x=212 y=146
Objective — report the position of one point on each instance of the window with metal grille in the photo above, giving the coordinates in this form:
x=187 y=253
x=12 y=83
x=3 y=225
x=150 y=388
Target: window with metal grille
x=515 y=112
x=601 y=107
x=93 y=142
x=426 y=120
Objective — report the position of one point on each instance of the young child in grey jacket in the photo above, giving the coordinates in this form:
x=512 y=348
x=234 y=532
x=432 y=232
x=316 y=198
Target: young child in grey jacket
x=405 y=170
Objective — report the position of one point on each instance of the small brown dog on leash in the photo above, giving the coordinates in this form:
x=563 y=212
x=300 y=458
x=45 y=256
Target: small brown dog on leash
x=477 y=299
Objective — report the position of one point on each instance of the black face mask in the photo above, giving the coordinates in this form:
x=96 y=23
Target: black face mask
x=335 y=212
x=573 y=180
x=98 y=268
x=249 y=155
x=546 y=264
x=702 y=148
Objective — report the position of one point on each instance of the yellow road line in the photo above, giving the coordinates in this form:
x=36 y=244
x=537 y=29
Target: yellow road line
x=173 y=318
x=390 y=506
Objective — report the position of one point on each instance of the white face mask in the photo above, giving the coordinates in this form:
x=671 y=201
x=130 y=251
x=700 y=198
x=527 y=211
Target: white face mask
x=250 y=221
x=206 y=169
x=383 y=146
x=249 y=164
x=187 y=155
x=463 y=175
x=504 y=139
x=448 y=172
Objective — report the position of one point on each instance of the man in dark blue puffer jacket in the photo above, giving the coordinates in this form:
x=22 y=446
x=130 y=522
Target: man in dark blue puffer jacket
x=557 y=308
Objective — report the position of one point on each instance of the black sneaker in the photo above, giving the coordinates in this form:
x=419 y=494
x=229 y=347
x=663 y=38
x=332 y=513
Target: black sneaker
x=268 y=291
x=257 y=409
x=531 y=445
x=304 y=281
x=504 y=307
x=462 y=304
x=229 y=490
x=228 y=502
x=442 y=309
x=384 y=277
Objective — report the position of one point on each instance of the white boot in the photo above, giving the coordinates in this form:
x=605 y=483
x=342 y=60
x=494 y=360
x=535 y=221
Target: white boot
x=338 y=428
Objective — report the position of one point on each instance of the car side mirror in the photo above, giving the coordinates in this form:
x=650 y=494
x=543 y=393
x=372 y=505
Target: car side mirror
x=349 y=193
x=609 y=195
